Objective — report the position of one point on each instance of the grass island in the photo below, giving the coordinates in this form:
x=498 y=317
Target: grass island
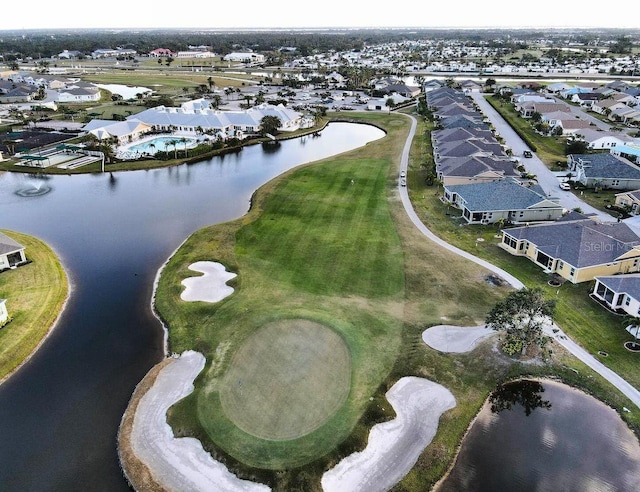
x=37 y=292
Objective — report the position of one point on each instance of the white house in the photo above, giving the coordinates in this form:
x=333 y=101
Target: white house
x=601 y=140
x=619 y=293
x=11 y=253
x=244 y=57
x=4 y=314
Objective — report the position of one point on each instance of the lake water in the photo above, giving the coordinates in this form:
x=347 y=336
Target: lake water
x=59 y=414
x=546 y=437
x=126 y=91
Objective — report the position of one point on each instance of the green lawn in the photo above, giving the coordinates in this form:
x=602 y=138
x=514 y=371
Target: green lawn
x=35 y=294
x=550 y=150
x=316 y=246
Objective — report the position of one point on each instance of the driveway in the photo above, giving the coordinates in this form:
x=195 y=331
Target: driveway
x=546 y=178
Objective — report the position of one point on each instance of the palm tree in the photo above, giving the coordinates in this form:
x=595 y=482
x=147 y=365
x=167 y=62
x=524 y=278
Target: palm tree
x=183 y=141
x=211 y=83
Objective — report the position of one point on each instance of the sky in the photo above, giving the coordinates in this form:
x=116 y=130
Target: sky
x=126 y=14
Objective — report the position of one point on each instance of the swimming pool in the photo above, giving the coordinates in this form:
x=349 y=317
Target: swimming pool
x=163 y=144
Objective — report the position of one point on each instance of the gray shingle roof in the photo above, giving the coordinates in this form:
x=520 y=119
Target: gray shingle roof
x=629 y=284
x=8 y=245
x=506 y=194
x=580 y=243
x=606 y=166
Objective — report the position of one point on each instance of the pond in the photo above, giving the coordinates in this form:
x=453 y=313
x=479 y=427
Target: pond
x=544 y=435
x=59 y=414
x=126 y=91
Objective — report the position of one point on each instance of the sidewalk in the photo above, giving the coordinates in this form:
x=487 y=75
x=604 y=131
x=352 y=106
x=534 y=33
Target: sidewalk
x=559 y=336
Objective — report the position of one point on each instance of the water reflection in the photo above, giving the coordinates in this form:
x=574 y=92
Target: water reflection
x=60 y=413
x=579 y=444
x=526 y=394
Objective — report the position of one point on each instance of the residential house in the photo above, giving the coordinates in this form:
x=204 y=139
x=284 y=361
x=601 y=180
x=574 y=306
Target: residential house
x=604 y=171
x=11 y=252
x=619 y=293
x=529 y=108
x=629 y=200
x=570 y=126
x=507 y=200
x=576 y=247
x=599 y=139
x=78 y=93
x=469 y=86
x=629 y=151
x=474 y=169
x=586 y=99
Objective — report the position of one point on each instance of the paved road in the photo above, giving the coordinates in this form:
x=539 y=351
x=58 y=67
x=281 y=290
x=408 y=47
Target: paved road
x=546 y=178
x=552 y=330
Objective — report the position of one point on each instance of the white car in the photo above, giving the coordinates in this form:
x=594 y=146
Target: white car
x=402 y=174
x=565 y=186
x=403 y=182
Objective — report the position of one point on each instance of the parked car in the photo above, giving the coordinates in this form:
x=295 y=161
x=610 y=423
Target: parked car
x=565 y=186
x=527 y=154
x=402 y=174
x=403 y=182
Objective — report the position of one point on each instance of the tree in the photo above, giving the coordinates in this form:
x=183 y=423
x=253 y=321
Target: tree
x=521 y=316
x=389 y=104
x=270 y=125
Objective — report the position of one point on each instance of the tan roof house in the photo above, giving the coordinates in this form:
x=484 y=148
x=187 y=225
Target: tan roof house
x=576 y=247
x=630 y=200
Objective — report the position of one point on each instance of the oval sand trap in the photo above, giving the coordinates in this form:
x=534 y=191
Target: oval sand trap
x=287 y=379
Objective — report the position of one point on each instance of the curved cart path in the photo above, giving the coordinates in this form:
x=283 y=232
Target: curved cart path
x=553 y=331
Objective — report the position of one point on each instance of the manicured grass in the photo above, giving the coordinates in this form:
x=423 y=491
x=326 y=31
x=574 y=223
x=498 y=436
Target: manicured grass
x=311 y=368
x=35 y=294
x=381 y=321
x=550 y=150
x=584 y=320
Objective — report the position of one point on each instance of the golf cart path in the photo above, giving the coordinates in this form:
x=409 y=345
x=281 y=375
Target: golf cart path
x=552 y=330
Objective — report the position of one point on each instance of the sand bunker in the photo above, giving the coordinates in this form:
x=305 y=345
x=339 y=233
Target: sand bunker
x=457 y=339
x=210 y=287
x=179 y=464
x=394 y=446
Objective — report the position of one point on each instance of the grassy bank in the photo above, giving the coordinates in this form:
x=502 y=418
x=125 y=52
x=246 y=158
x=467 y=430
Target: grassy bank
x=35 y=294
x=331 y=242
x=581 y=318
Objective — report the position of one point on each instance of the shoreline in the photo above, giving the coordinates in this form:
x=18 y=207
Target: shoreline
x=56 y=321
x=133 y=469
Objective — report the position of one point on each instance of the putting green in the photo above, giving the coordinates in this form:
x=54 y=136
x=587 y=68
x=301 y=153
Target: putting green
x=287 y=379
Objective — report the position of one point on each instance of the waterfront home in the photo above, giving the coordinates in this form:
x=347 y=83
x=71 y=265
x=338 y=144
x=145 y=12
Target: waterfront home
x=604 y=171
x=120 y=131
x=11 y=253
x=576 y=247
x=195 y=117
x=507 y=200
x=619 y=293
